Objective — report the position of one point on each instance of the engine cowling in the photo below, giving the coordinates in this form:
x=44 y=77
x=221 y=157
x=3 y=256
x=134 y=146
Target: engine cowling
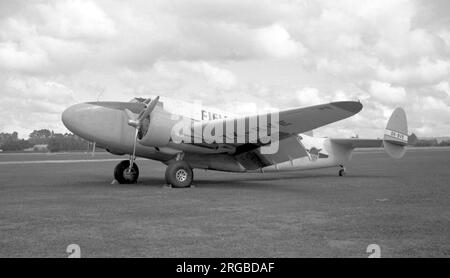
x=157 y=131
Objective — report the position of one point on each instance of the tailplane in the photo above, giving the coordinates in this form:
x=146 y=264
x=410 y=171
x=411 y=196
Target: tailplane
x=396 y=134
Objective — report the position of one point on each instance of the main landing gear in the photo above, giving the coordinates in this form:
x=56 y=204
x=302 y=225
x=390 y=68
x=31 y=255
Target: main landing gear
x=178 y=173
x=342 y=171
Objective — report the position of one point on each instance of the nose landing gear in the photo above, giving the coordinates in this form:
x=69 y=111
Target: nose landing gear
x=125 y=174
x=342 y=171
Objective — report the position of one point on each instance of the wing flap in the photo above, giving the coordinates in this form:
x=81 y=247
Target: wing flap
x=289 y=149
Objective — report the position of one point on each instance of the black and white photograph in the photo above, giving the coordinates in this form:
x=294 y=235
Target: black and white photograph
x=221 y=129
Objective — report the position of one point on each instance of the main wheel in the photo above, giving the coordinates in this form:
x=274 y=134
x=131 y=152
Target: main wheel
x=341 y=172
x=123 y=174
x=179 y=174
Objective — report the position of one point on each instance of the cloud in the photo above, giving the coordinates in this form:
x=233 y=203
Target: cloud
x=49 y=94
x=75 y=19
x=445 y=36
x=237 y=55
x=386 y=93
x=219 y=77
x=425 y=72
x=277 y=42
x=22 y=58
x=309 y=96
x=431 y=115
x=23 y=49
x=29 y=103
x=443 y=87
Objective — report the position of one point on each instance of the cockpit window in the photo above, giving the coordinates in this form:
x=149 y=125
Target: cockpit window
x=138 y=100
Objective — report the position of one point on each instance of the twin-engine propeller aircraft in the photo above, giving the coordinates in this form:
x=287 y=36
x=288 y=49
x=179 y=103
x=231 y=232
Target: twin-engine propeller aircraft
x=282 y=141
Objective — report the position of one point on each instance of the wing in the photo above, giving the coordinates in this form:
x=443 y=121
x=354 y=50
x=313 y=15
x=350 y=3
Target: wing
x=290 y=122
x=358 y=143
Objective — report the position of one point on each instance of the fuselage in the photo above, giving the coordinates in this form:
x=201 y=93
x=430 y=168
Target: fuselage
x=106 y=124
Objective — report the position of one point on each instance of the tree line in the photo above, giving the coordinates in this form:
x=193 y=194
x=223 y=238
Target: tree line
x=431 y=143
x=53 y=142
x=57 y=142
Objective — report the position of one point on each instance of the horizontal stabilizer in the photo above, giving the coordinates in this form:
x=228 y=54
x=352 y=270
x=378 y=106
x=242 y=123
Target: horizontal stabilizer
x=394 y=140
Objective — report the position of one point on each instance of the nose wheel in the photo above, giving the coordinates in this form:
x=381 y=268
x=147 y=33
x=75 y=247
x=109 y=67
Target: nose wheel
x=179 y=174
x=125 y=174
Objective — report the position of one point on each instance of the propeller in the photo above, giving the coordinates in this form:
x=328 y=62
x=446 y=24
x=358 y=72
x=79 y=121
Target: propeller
x=140 y=123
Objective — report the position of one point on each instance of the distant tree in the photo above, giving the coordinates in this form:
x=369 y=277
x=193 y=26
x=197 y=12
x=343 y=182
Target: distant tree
x=444 y=143
x=12 y=144
x=426 y=143
x=40 y=136
x=66 y=142
x=7 y=136
x=412 y=139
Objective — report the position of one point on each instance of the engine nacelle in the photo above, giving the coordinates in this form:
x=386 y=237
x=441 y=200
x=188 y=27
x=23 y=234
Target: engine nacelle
x=159 y=130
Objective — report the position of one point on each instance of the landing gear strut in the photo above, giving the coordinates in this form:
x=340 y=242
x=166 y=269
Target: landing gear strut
x=179 y=174
x=342 y=171
x=125 y=174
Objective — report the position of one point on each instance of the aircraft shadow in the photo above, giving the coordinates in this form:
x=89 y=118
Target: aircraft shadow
x=256 y=181
x=300 y=177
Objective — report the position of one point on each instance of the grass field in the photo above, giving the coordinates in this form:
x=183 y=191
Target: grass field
x=401 y=205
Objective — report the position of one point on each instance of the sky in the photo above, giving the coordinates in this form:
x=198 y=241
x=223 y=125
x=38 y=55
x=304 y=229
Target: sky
x=236 y=55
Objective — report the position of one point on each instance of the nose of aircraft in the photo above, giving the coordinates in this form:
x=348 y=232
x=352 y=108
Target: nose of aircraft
x=97 y=122
x=70 y=116
x=81 y=119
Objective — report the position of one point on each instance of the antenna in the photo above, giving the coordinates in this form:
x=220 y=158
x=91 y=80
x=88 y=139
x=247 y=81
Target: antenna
x=102 y=90
x=93 y=149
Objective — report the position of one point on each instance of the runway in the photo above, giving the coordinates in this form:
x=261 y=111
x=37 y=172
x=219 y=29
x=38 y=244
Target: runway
x=48 y=201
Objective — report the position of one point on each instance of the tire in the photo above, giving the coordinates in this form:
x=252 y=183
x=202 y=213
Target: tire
x=179 y=174
x=121 y=175
x=341 y=172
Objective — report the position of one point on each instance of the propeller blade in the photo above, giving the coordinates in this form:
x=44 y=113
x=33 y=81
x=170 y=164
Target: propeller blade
x=149 y=108
x=138 y=121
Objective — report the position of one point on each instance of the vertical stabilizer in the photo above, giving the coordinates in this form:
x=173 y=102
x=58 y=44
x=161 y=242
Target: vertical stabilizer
x=396 y=134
